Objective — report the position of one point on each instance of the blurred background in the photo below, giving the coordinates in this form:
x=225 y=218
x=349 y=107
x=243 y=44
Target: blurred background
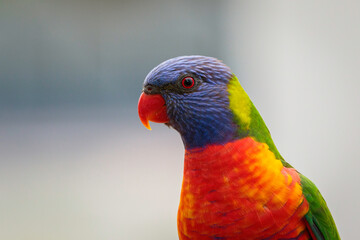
x=75 y=161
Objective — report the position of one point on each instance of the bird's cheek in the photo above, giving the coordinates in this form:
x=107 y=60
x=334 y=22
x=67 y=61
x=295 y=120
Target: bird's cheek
x=152 y=108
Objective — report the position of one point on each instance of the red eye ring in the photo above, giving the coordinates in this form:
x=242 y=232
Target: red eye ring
x=188 y=82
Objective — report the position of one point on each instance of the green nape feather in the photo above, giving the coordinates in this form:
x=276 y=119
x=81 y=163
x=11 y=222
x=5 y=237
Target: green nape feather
x=248 y=119
x=250 y=123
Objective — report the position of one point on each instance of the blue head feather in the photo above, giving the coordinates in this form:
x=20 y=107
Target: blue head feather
x=201 y=116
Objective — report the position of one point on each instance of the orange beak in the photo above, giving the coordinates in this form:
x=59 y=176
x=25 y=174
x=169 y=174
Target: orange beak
x=152 y=108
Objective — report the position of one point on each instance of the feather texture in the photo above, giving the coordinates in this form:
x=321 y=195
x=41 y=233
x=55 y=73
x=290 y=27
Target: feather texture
x=240 y=191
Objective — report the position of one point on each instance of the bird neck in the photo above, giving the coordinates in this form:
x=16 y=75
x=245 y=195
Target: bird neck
x=247 y=118
x=225 y=120
x=209 y=131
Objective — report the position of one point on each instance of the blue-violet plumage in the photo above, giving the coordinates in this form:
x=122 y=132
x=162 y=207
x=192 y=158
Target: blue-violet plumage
x=202 y=116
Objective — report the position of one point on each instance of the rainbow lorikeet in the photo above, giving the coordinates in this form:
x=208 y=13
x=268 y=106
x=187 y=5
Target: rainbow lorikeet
x=236 y=185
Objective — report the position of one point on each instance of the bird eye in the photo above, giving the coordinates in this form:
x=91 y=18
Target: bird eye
x=188 y=82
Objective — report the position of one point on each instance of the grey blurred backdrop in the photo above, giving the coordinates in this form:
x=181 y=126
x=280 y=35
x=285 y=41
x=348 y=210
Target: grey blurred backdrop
x=75 y=161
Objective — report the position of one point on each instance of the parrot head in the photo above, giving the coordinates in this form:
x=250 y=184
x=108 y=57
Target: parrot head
x=199 y=97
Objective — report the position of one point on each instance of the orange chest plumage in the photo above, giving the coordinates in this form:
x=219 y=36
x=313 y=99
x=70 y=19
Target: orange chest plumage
x=240 y=191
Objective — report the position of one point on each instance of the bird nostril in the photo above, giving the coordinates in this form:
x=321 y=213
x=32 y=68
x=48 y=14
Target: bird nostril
x=151 y=89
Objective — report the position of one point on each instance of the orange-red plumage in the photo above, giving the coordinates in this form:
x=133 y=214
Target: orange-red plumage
x=240 y=189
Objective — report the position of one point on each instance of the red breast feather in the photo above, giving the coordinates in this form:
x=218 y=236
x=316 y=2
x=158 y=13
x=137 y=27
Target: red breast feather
x=240 y=191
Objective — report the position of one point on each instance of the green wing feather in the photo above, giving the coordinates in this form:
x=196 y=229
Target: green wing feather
x=319 y=217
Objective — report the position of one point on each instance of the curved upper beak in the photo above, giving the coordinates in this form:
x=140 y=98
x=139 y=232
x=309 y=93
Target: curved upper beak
x=152 y=107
